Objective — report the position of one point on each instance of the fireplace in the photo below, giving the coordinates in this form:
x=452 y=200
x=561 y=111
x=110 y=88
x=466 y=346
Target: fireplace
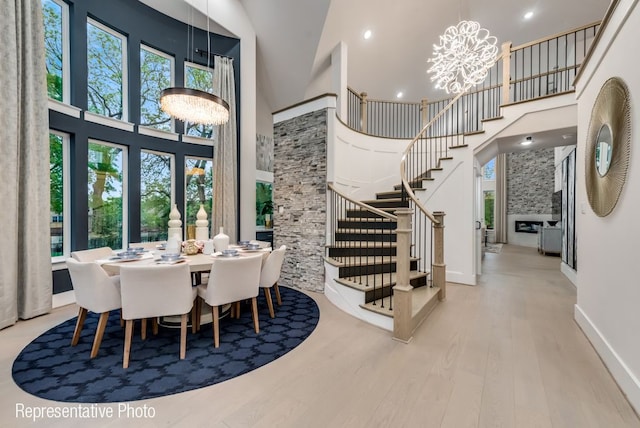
x=526 y=226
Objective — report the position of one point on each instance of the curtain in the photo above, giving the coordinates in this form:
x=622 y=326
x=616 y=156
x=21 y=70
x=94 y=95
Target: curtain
x=25 y=248
x=225 y=153
x=500 y=211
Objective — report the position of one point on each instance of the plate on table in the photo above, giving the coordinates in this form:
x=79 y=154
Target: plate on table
x=126 y=258
x=229 y=255
x=171 y=261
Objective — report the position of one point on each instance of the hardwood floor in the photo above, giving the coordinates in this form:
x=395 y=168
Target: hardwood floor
x=505 y=353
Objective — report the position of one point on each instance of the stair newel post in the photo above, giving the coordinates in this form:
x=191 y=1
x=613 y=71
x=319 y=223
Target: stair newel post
x=402 y=291
x=424 y=110
x=439 y=270
x=506 y=72
x=363 y=112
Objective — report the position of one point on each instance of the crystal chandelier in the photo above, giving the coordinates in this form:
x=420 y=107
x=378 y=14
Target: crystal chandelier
x=194 y=106
x=463 y=58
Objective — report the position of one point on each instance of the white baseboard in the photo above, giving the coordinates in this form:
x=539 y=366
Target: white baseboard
x=627 y=381
x=570 y=273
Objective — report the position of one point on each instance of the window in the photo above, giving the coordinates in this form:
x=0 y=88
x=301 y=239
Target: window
x=264 y=204
x=106 y=71
x=198 y=77
x=156 y=194
x=156 y=74
x=489 y=206
x=56 y=42
x=198 y=190
x=489 y=170
x=59 y=198
x=107 y=204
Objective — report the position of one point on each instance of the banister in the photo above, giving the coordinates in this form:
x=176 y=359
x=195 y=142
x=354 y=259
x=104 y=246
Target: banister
x=555 y=36
x=362 y=204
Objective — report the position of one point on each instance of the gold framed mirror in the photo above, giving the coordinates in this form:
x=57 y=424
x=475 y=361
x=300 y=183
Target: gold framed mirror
x=608 y=146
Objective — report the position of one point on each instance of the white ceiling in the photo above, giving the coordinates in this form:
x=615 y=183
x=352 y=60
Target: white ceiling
x=295 y=39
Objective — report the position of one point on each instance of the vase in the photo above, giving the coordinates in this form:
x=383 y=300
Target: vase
x=221 y=241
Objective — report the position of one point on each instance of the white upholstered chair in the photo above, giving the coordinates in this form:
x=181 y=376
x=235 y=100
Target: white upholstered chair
x=95 y=291
x=92 y=254
x=152 y=290
x=270 y=274
x=231 y=279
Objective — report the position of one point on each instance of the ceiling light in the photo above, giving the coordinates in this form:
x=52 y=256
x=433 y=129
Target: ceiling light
x=528 y=15
x=399 y=94
x=193 y=105
x=527 y=141
x=463 y=58
x=367 y=34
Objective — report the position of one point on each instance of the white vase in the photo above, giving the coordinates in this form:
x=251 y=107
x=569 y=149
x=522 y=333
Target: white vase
x=202 y=225
x=221 y=241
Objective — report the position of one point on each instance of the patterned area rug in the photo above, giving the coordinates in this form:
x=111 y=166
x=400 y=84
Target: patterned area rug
x=50 y=368
x=493 y=248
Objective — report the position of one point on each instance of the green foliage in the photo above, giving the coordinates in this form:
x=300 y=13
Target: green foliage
x=155 y=75
x=489 y=206
x=264 y=202
x=104 y=72
x=199 y=188
x=52 y=17
x=197 y=78
x=56 y=171
x=155 y=195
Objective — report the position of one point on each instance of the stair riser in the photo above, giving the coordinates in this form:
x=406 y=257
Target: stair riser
x=355 y=252
x=348 y=271
x=355 y=224
x=362 y=214
x=371 y=295
x=382 y=203
x=369 y=237
x=389 y=195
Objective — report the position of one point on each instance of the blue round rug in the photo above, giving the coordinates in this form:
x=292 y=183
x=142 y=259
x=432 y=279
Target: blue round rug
x=49 y=367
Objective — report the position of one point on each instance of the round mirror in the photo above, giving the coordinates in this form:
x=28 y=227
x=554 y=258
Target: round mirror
x=604 y=148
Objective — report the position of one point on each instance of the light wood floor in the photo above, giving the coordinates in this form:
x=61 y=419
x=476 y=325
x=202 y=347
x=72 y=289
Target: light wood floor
x=505 y=353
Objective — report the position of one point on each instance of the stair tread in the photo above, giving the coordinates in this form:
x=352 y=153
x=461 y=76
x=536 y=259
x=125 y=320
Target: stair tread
x=354 y=261
x=369 y=220
x=355 y=230
x=362 y=244
x=421 y=296
x=380 y=280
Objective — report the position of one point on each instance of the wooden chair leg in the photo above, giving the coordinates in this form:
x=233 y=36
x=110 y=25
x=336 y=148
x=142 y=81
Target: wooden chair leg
x=82 y=315
x=267 y=295
x=143 y=332
x=183 y=336
x=254 y=310
x=102 y=324
x=194 y=311
x=128 y=332
x=121 y=319
x=154 y=325
x=198 y=305
x=278 y=299
x=238 y=309
x=216 y=326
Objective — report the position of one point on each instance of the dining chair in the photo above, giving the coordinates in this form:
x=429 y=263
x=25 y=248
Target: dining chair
x=231 y=280
x=153 y=290
x=92 y=254
x=95 y=291
x=269 y=276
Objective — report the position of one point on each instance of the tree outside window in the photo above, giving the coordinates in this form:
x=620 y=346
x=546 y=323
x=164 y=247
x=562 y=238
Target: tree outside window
x=155 y=75
x=156 y=194
x=198 y=77
x=199 y=189
x=489 y=207
x=56 y=172
x=264 y=202
x=52 y=15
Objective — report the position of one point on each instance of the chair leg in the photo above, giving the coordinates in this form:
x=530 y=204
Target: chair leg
x=194 y=311
x=128 y=332
x=198 y=306
x=143 y=332
x=254 y=310
x=216 y=326
x=154 y=325
x=82 y=315
x=121 y=319
x=102 y=324
x=183 y=336
x=278 y=299
x=267 y=295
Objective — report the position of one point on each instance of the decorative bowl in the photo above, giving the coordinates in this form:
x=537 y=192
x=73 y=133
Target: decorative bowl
x=170 y=257
x=243 y=243
x=127 y=255
x=229 y=252
x=253 y=246
x=135 y=250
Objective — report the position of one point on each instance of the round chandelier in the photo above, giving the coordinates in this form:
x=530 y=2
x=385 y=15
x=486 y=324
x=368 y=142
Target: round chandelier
x=463 y=58
x=194 y=106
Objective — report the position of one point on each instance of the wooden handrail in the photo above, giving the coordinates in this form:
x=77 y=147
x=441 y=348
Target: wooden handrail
x=362 y=204
x=555 y=36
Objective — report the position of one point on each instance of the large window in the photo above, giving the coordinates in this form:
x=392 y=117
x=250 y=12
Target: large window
x=106 y=71
x=156 y=194
x=264 y=203
x=156 y=74
x=59 y=199
x=198 y=190
x=198 y=77
x=56 y=42
x=107 y=204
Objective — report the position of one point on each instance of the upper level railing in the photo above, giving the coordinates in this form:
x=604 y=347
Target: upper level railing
x=533 y=70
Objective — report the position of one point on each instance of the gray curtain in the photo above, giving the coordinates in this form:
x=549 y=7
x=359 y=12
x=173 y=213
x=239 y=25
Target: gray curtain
x=226 y=153
x=500 y=211
x=25 y=252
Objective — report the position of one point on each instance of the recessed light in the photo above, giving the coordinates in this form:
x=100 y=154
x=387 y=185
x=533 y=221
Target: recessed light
x=367 y=34
x=399 y=94
x=527 y=141
x=528 y=15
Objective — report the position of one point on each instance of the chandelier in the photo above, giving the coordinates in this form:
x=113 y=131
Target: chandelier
x=463 y=58
x=193 y=105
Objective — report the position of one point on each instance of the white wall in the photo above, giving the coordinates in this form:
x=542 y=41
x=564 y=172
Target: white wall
x=608 y=273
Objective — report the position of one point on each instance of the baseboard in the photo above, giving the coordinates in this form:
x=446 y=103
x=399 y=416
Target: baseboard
x=63 y=299
x=461 y=278
x=626 y=380
x=570 y=273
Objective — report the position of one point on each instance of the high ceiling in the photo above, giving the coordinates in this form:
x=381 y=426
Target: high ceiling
x=295 y=39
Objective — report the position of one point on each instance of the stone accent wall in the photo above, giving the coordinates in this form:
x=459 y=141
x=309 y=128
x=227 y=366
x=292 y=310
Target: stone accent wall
x=264 y=153
x=300 y=187
x=530 y=181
